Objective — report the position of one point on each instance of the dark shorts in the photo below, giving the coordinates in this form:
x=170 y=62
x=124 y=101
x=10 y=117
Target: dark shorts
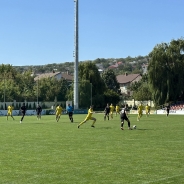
x=106 y=113
x=70 y=113
x=124 y=118
x=38 y=113
x=23 y=113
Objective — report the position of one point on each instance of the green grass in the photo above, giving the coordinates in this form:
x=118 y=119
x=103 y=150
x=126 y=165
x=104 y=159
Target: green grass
x=47 y=151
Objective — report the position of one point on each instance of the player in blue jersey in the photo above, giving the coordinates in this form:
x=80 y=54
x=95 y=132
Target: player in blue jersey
x=69 y=110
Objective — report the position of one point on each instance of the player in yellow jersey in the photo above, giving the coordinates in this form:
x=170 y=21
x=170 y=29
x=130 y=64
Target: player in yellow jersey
x=9 y=112
x=117 y=109
x=111 y=110
x=147 y=110
x=89 y=117
x=140 y=108
x=59 y=110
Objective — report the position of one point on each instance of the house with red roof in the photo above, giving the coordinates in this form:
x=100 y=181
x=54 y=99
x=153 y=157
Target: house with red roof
x=116 y=65
x=126 y=80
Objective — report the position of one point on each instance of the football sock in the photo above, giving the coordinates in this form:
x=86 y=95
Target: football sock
x=93 y=123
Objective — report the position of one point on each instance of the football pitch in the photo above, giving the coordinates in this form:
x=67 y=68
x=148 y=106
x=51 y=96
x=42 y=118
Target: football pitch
x=49 y=152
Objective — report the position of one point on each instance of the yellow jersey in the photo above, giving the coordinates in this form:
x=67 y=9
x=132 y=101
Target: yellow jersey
x=111 y=108
x=117 y=108
x=10 y=109
x=90 y=112
x=140 y=108
x=147 y=108
x=59 y=109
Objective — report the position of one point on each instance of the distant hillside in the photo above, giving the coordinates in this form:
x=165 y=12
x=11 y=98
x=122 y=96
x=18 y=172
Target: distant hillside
x=119 y=65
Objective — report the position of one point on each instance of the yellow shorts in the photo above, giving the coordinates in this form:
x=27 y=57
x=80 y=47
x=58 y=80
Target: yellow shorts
x=58 y=114
x=9 y=113
x=140 y=112
x=89 y=118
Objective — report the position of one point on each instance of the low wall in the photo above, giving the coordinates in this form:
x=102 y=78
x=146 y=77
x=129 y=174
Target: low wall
x=33 y=105
x=44 y=112
x=132 y=103
x=77 y=111
x=17 y=112
x=171 y=112
x=84 y=111
x=160 y=112
x=144 y=112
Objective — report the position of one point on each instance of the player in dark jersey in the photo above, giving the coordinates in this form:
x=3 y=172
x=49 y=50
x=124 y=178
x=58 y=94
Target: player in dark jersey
x=23 y=111
x=38 y=111
x=123 y=116
x=167 y=110
x=107 y=111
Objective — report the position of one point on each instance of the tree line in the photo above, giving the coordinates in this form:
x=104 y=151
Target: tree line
x=129 y=65
x=93 y=87
x=165 y=78
x=163 y=82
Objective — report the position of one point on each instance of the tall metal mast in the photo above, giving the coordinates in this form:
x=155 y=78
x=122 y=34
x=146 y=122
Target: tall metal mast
x=76 y=97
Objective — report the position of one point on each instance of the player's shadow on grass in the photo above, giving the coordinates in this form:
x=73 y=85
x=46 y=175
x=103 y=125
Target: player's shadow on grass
x=105 y=127
x=143 y=129
x=75 y=122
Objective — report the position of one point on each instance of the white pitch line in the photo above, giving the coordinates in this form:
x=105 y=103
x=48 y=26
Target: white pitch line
x=162 y=179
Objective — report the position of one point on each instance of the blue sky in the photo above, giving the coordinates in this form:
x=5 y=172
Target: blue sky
x=38 y=32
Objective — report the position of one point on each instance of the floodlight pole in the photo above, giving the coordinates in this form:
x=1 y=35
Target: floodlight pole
x=37 y=89
x=76 y=103
x=91 y=93
x=4 y=93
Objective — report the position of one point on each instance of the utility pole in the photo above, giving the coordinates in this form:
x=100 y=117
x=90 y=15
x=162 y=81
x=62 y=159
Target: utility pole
x=4 y=93
x=91 y=93
x=76 y=93
x=37 y=89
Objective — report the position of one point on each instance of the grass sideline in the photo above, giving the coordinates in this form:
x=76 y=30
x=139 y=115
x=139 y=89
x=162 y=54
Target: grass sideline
x=46 y=151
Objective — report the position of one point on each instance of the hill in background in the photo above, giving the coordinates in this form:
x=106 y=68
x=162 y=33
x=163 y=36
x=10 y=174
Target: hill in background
x=119 y=65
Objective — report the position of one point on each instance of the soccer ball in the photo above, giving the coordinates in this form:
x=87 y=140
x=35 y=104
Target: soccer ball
x=134 y=126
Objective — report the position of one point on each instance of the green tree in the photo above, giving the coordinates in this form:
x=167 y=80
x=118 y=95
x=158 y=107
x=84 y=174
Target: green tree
x=134 y=87
x=141 y=89
x=25 y=81
x=85 y=93
x=165 y=72
x=111 y=96
x=89 y=72
x=63 y=87
x=143 y=93
x=7 y=85
x=127 y=67
x=47 y=89
x=110 y=80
